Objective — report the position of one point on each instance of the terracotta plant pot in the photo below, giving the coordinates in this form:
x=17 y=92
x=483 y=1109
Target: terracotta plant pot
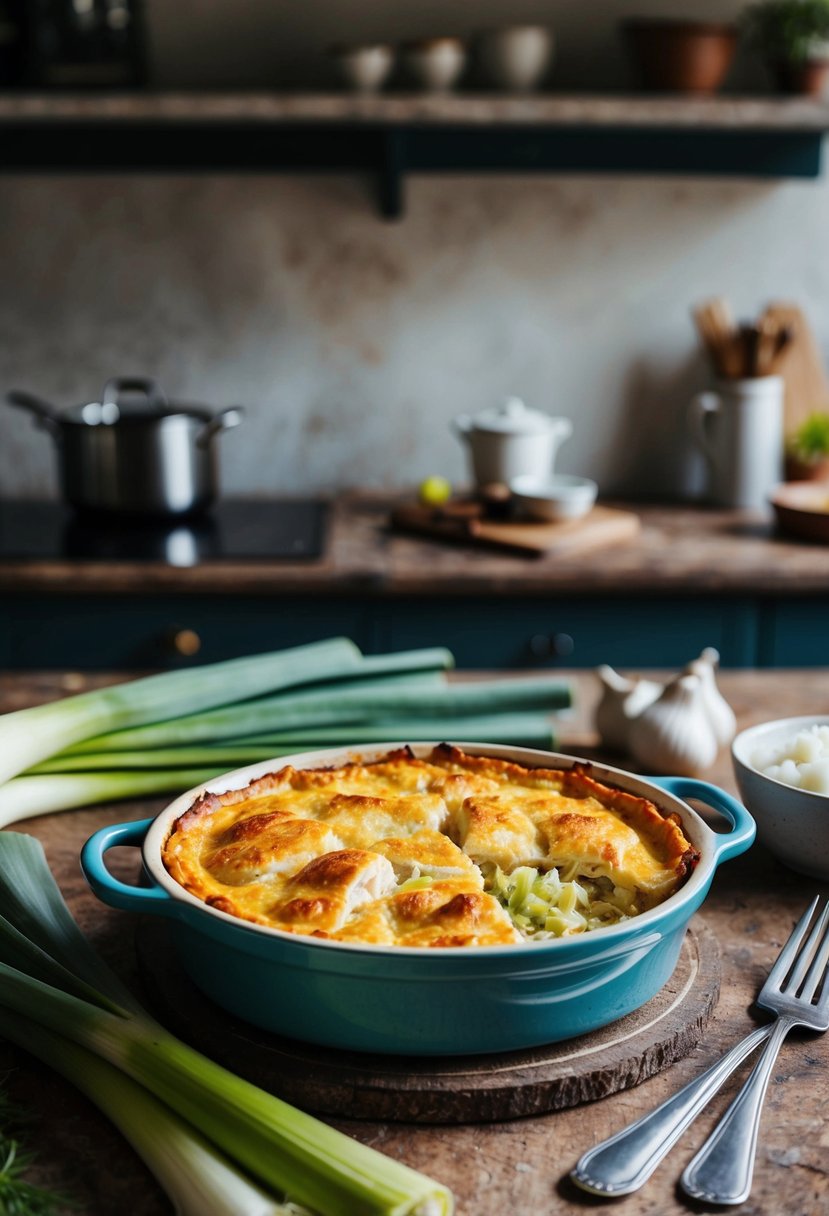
x=808 y=77
x=796 y=468
x=673 y=56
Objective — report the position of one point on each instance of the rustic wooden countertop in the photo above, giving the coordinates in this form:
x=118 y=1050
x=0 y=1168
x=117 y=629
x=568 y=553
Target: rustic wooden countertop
x=680 y=550
x=522 y=1165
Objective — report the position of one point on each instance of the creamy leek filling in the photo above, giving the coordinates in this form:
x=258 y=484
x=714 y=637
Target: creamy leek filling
x=549 y=904
x=544 y=904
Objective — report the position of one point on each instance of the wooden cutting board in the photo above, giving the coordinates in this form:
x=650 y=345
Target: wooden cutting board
x=802 y=367
x=463 y=1089
x=463 y=524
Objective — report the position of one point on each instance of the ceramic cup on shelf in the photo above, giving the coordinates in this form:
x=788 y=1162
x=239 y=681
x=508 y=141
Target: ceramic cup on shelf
x=435 y=64
x=739 y=427
x=365 y=69
x=517 y=57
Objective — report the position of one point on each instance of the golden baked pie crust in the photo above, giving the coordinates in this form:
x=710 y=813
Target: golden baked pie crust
x=394 y=851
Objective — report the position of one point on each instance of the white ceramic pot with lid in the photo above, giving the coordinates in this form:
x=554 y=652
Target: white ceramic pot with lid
x=511 y=441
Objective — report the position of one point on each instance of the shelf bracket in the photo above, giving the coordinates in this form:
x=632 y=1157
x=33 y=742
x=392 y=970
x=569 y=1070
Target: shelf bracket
x=391 y=175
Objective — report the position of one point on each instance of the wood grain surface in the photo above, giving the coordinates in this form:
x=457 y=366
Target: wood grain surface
x=681 y=550
x=520 y=1165
x=583 y=109
x=600 y=527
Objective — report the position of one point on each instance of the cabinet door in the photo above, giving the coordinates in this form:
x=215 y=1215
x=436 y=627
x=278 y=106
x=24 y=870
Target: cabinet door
x=795 y=633
x=5 y=636
x=108 y=632
x=573 y=632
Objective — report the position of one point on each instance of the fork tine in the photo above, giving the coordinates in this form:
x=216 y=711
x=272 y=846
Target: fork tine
x=787 y=955
x=806 y=954
x=818 y=968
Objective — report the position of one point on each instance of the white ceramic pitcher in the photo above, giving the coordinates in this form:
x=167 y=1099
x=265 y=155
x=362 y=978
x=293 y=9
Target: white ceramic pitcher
x=739 y=427
x=511 y=441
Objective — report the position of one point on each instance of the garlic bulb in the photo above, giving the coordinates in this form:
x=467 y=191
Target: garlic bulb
x=673 y=735
x=720 y=714
x=621 y=701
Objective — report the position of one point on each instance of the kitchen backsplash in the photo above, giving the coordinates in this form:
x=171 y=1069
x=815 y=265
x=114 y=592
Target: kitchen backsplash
x=353 y=342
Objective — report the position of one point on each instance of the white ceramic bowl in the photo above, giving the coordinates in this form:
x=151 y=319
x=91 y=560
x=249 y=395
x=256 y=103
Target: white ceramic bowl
x=435 y=64
x=792 y=823
x=556 y=497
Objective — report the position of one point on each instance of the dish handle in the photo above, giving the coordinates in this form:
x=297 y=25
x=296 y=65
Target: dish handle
x=109 y=889
x=743 y=828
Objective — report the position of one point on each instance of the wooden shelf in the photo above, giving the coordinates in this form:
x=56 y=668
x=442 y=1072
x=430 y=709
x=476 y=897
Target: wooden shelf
x=394 y=134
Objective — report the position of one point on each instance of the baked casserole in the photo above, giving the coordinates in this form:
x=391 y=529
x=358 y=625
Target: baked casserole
x=444 y=850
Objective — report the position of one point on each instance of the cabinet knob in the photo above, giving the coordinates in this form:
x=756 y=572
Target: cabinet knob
x=185 y=642
x=551 y=645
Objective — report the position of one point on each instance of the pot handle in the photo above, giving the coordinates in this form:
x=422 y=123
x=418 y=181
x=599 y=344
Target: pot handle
x=133 y=384
x=743 y=827
x=701 y=408
x=111 y=890
x=45 y=415
x=224 y=421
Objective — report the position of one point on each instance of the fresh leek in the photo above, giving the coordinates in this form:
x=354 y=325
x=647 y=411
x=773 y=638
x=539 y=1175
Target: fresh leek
x=521 y=729
x=205 y=754
x=198 y=1179
x=23 y=797
x=167 y=733
x=65 y=991
x=28 y=736
x=373 y=700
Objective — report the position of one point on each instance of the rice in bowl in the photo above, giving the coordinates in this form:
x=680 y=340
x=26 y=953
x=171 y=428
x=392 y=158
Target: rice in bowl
x=801 y=760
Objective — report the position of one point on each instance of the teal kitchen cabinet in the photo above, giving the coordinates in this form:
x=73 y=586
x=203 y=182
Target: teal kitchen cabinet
x=497 y=632
x=625 y=631
x=110 y=632
x=794 y=633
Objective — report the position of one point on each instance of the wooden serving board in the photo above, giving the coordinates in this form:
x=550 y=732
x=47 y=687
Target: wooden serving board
x=801 y=366
x=601 y=526
x=462 y=1089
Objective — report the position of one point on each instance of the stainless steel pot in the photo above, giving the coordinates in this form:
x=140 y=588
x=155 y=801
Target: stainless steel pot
x=133 y=452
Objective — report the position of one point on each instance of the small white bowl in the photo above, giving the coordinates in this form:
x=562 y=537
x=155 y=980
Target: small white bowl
x=365 y=69
x=435 y=63
x=554 y=497
x=792 y=823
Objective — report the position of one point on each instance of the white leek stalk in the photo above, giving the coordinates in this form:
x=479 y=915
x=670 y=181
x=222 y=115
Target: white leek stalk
x=28 y=736
x=23 y=797
x=198 y=1180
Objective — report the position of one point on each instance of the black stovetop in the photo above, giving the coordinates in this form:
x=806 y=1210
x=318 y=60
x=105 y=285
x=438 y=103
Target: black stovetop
x=233 y=530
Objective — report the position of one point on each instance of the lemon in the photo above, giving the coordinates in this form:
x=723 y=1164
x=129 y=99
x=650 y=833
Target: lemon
x=434 y=491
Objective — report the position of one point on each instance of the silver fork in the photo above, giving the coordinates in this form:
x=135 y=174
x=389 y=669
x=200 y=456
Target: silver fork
x=624 y=1162
x=722 y=1170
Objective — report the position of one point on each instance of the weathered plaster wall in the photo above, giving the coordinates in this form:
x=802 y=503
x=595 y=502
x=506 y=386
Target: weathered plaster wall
x=353 y=342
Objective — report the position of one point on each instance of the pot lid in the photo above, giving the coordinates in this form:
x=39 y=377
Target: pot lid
x=107 y=413
x=135 y=399
x=512 y=418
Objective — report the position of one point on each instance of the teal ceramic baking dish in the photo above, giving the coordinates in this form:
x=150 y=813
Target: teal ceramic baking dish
x=401 y=1000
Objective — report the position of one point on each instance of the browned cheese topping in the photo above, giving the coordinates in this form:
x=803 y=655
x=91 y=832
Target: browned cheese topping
x=401 y=851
